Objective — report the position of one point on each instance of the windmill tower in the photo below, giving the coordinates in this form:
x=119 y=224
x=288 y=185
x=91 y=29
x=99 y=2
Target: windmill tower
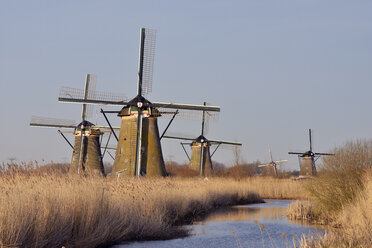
x=273 y=165
x=201 y=157
x=307 y=166
x=139 y=150
x=86 y=154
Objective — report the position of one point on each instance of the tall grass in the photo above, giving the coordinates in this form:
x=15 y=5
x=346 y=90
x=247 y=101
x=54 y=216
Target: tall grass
x=354 y=224
x=341 y=179
x=342 y=197
x=51 y=208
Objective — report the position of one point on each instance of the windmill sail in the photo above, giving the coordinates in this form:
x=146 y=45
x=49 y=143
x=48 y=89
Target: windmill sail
x=38 y=121
x=73 y=95
x=145 y=72
x=186 y=114
x=146 y=60
x=90 y=88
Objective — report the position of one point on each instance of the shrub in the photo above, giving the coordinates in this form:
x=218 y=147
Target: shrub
x=341 y=179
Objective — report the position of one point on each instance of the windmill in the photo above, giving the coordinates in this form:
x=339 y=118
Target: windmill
x=201 y=158
x=139 y=150
x=307 y=166
x=87 y=147
x=273 y=164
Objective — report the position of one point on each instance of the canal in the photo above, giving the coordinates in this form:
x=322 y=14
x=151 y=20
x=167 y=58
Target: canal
x=255 y=225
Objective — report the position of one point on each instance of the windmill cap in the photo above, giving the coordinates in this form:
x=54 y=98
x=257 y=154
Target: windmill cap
x=201 y=139
x=308 y=154
x=89 y=127
x=85 y=124
x=139 y=99
x=135 y=103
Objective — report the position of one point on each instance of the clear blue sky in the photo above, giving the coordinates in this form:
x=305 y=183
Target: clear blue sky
x=276 y=68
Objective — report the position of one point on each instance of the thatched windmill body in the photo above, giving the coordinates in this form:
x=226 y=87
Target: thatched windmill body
x=139 y=150
x=308 y=158
x=201 y=157
x=86 y=154
x=273 y=165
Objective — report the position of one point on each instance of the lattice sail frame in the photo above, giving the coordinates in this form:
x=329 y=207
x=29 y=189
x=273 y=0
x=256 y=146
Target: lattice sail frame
x=148 y=60
x=91 y=89
x=74 y=93
x=184 y=114
x=39 y=121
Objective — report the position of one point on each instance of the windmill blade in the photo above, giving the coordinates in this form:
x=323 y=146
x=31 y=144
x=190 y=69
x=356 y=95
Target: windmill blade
x=178 y=138
x=296 y=153
x=106 y=128
x=264 y=165
x=185 y=114
x=311 y=145
x=226 y=142
x=280 y=162
x=271 y=154
x=185 y=106
x=38 y=121
x=102 y=129
x=228 y=147
x=89 y=90
x=325 y=154
x=203 y=121
x=146 y=60
x=208 y=118
x=73 y=95
x=66 y=131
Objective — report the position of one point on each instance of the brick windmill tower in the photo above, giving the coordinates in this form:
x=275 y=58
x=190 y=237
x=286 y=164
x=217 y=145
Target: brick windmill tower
x=307 y=159
x=139 y=149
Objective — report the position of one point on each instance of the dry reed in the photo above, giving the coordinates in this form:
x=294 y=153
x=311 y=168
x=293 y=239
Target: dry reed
x=341 y=197
x=51 y=208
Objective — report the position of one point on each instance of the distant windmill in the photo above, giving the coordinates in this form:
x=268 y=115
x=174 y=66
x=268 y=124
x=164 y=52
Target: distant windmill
x=87 y=148
x=200 y=149
x=307 y=166
x=273 y=164
x=139 y=150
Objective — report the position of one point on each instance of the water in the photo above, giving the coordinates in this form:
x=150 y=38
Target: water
x=237 y=227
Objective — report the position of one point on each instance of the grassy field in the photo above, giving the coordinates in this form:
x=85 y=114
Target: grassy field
x=52 y=208
x=341 y=197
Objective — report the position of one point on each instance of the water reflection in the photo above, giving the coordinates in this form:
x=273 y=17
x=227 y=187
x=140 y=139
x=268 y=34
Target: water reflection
x=245 y=213
x=256 y=225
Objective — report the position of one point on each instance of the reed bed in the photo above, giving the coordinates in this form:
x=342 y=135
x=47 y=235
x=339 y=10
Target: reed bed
x=52 y=208
x=341 y=197
x=354 y=225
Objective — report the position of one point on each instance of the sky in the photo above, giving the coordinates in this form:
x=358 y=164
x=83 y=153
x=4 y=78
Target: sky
x=276 y=69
